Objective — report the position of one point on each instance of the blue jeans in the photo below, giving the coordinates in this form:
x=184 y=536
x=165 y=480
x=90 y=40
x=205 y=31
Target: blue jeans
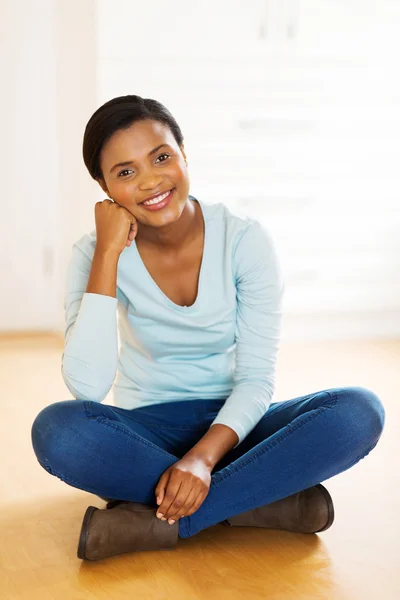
x=121 y=453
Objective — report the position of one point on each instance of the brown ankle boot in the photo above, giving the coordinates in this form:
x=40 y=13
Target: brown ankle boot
x=128 y=527
x=308 y=511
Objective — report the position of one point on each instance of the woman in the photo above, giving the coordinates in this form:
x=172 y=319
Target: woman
x=194 y=438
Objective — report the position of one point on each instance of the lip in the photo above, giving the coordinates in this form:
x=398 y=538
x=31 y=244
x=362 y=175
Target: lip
x=159 y=205
x=155 y=195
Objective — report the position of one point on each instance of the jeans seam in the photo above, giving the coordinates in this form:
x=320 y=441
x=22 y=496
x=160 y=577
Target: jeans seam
x=155 y=426
x=137 y=420
x=360 y=457
x=67 y=480
x=105 y=421
x=283 y=436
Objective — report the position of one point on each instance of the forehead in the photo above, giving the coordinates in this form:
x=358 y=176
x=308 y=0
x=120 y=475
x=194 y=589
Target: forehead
x=135 y=142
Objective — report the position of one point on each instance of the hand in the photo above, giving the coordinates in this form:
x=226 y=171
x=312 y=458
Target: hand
x=183 y=487
x=116 y=227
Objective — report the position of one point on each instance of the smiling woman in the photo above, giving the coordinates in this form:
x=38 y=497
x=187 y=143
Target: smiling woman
x=134 y=148
x=199 y=293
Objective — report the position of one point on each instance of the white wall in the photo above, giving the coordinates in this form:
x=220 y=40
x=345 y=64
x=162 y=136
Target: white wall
x=48 y=74
x=76 y=25
x=290 y=113
x=28 y=161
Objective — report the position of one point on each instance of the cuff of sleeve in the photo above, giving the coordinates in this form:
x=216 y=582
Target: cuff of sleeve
x=244 y=408
x=237 y=428
x=92 y=300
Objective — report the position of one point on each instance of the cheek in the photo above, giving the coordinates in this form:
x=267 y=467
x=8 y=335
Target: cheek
x=123 y=194
x=180 y=175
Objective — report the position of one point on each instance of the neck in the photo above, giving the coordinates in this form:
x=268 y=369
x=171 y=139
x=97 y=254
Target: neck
x=173 y=236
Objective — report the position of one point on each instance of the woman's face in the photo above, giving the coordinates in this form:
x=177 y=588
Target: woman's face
x=145 y=174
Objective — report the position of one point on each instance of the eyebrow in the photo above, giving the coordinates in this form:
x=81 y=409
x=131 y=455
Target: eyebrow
x=129 y=162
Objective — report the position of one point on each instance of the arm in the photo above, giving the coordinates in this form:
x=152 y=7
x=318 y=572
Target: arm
x=103 y=274
x=218 y=440
x=260 y=288
x=89 y=360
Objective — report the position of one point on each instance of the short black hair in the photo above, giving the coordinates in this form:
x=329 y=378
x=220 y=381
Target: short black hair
x=120 y=113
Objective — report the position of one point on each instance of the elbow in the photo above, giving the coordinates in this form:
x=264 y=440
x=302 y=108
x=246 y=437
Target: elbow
x=84 y=391
x=84 y=385
x=265 y=385
x=260 y=390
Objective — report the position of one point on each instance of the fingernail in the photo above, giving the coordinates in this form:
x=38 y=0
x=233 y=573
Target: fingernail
x=159 y=515
x=163 y=519
x=171 y=521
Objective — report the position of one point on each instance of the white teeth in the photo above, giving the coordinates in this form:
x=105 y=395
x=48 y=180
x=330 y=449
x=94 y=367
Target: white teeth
x=156 y=200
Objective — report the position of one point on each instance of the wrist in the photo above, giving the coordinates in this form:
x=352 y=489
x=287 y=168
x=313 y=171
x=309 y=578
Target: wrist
x=214 y=445
x=197 y=455
x=106 y=254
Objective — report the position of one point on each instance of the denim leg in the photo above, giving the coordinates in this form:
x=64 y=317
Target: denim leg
x=297 y=444
x=104 y=450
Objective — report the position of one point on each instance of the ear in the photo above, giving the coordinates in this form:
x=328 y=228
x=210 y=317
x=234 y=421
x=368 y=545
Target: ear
x=103 y=186
x=182 y=147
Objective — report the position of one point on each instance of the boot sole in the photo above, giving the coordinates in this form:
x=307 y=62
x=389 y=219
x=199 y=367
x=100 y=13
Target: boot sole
x=83 y=535
x=331 y=510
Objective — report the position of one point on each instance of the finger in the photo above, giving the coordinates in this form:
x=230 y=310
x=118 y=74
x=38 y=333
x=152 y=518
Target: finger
x=171 y=490
x=180 y=500
x=175 y=496
x=160 y=487
x=159 y=496
x=190 y=500
x=197 y=503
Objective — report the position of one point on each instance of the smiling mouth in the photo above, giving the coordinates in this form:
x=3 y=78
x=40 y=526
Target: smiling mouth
x=157 y=198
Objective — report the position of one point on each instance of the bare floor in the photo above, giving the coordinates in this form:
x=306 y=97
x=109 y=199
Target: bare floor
x=40 y=518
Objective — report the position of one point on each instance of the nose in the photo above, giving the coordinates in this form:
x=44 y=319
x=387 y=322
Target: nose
x=148 y=180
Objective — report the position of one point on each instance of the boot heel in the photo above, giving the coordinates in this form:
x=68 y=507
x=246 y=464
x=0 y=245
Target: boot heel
x=331 y=510
x=82 y=538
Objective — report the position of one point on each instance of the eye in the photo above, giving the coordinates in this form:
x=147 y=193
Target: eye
x=124 y=171
x=164 y=154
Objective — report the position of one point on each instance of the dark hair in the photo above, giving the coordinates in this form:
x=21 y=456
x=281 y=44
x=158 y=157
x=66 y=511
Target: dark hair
x=120 y=113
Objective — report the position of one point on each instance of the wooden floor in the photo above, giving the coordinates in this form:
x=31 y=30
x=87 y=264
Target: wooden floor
x=358 y=558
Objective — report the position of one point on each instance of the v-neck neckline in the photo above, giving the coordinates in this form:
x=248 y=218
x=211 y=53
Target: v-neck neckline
x=179 y=307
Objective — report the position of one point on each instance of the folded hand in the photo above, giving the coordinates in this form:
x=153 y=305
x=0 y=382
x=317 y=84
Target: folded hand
x=183 y=487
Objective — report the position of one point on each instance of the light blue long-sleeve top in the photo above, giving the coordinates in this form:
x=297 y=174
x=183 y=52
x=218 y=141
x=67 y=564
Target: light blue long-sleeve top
x=225 y=345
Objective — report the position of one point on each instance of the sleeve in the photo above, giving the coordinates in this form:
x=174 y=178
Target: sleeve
x=90 y=357
x=260 y=289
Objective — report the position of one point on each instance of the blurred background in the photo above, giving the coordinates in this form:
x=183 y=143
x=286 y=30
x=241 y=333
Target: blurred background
x=290 y=112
